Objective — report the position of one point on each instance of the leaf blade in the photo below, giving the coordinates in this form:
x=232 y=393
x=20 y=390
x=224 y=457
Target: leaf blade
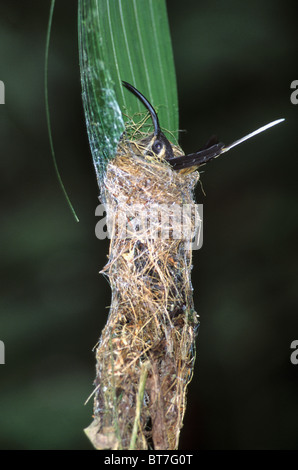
x=124 y=40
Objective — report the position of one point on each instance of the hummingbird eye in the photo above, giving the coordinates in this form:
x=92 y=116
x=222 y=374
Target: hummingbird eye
x=157 y=146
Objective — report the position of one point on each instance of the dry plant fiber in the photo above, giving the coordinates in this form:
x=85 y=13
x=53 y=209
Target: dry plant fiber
x=146 y=353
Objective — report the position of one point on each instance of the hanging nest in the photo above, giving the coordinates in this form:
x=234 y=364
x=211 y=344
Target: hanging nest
x=146 y=352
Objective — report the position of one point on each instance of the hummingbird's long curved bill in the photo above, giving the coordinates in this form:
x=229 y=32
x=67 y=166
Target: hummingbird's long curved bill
x=213 y=151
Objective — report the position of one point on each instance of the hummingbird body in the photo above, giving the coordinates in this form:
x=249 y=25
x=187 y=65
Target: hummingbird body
x=160 y=146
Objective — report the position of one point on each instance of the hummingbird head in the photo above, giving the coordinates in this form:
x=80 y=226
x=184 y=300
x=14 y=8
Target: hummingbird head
x=156 y=143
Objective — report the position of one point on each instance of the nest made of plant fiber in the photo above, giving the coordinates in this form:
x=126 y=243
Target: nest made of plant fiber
x=152 y=217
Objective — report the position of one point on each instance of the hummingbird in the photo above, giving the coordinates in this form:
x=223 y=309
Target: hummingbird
x=158 y=144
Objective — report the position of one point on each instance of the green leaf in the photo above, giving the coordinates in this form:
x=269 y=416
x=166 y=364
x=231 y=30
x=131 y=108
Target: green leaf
x=124 y=40
x=46 y=63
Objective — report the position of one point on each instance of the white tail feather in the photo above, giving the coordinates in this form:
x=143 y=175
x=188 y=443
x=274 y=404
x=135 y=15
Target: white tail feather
x=252 y=134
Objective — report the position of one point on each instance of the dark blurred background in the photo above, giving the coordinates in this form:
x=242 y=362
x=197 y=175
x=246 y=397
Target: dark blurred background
x=235 y=62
